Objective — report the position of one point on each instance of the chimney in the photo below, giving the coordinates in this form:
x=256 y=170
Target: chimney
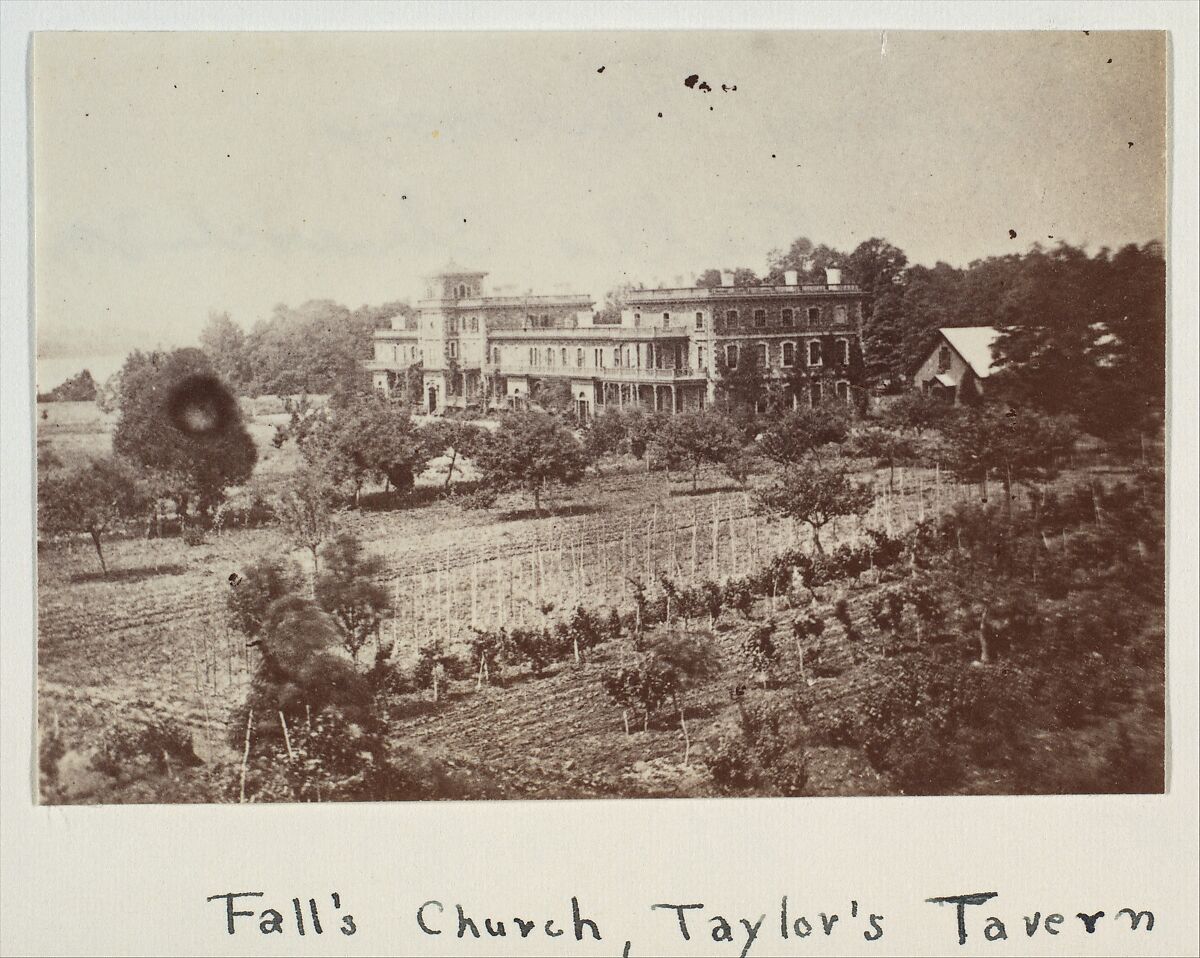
x=833 y=277
x=790 y=277
x=726 y=278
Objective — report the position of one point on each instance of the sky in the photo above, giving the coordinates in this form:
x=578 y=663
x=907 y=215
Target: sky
x=181 y=174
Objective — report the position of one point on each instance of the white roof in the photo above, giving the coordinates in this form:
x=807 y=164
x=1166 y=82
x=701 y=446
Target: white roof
x=974 y=345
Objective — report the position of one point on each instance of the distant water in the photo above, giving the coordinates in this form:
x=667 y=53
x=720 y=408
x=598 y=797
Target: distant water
x=53 y=370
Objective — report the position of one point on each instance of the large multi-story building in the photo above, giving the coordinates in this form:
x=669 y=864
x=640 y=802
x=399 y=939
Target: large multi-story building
x=500 y=351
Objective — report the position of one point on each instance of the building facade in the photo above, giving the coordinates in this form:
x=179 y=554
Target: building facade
x=467 y=349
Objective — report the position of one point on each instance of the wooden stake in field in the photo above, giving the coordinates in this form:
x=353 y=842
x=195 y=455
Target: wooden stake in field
x=716 y=533
x=287 y=739
x=245 y=756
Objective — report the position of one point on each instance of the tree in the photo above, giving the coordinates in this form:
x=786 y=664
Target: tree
x=365 y=436
x=180 y=421
x=349 y=591
x=816 y=494
x=79 y=388
x=531 y=451
x=878 y=267
x=314 y=347
x=742 y=276
x=917 y=411
x=809 y=262
x=93 y=498
x=224 y=342
x=1087 y=337
x=885 y=444
x=691 y=440
x=306 y=511
x=301 y=675
x=794 y=435
x=452 y=438
x=1013 y=445
x=252 y=593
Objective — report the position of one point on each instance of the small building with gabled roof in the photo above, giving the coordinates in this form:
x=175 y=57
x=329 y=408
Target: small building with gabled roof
x=960 y=359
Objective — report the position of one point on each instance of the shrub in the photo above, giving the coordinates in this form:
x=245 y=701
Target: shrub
x=130 y=750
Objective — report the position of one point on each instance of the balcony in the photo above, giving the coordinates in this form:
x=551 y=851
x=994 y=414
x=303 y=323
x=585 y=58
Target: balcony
x=624 y=374
x=702 y=293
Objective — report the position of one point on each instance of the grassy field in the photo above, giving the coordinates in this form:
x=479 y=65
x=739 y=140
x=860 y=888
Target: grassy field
x=151 y=641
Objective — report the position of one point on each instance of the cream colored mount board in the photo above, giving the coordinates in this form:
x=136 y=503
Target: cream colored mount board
x=611 y=491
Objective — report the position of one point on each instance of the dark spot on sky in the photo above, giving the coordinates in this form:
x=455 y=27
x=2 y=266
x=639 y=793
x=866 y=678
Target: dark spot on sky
x=1087 y=33
x=1110 y=59
x=234 y=578
x=660 y=116
x=710 y=109
x=601 y=70
x=200 y=405
x=227 y=155
x=464 y=219
x=691 y=81
x=1131 y=144
x=772 y=156
x=404 y=197
x=1012 y=234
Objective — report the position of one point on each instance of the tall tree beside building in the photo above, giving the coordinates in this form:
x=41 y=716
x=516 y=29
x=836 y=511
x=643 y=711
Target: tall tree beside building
x=879 y=268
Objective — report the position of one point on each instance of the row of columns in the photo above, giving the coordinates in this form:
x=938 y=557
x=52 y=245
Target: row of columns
x=662 y=398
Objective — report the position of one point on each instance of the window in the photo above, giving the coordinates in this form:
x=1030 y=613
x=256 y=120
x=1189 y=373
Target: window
x=760 y=317
x=549 y=356
x=452 y=325
x=474 y=324
x=814 y=315
x=700 y=357
x=789 y=354
x=563 y=355
x=453 y=349
x=763 y=360
x=944 y=359
x=496 y=355
x=843 y=391
x=532 y=356
x=699 y=320
x=844 y=351
x=579 y=357
x=839 y=315
x=814 y=352
x=637 y=319
x=731 y=317
x=616 y=356
x=395 y=354
x=786 y=317
x=731 y=356
x=666 y=320
x=814 y=394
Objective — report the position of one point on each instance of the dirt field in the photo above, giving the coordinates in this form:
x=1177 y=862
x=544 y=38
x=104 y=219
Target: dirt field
x=151 y=640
